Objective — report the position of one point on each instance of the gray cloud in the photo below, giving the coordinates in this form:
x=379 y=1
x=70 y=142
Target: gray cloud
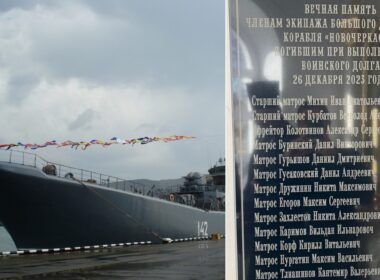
x=6 y=5
x=20 y=86
x=133 y=48
x=84 y=120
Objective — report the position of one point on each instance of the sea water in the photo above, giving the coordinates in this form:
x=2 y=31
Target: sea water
x=6 y=242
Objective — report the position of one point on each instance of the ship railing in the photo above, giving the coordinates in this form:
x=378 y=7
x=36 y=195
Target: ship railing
x=64 y=171
x=201 y=188
x=195 y=188
x=174 y=189
x=215 y=188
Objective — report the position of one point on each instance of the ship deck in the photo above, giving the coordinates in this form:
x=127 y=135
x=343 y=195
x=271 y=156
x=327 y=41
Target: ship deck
x=182 y=261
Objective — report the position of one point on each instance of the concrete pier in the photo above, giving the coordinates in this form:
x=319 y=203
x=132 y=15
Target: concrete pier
x=176 y=261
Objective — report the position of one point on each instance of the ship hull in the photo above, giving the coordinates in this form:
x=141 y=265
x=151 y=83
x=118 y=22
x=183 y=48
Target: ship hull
x=45 y=211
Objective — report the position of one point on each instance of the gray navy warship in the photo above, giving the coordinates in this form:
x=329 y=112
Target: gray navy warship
x=47 y=205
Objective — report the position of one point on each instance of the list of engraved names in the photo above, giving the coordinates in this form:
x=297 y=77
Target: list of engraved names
x=313 y=167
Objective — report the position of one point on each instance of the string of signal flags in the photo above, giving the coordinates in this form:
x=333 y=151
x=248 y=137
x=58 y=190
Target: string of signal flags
x=104 y=143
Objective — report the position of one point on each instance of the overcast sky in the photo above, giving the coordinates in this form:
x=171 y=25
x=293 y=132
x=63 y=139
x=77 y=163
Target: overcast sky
x=82 y=70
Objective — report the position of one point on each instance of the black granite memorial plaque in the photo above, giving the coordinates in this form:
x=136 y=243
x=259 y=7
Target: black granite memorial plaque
x=306 y=108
